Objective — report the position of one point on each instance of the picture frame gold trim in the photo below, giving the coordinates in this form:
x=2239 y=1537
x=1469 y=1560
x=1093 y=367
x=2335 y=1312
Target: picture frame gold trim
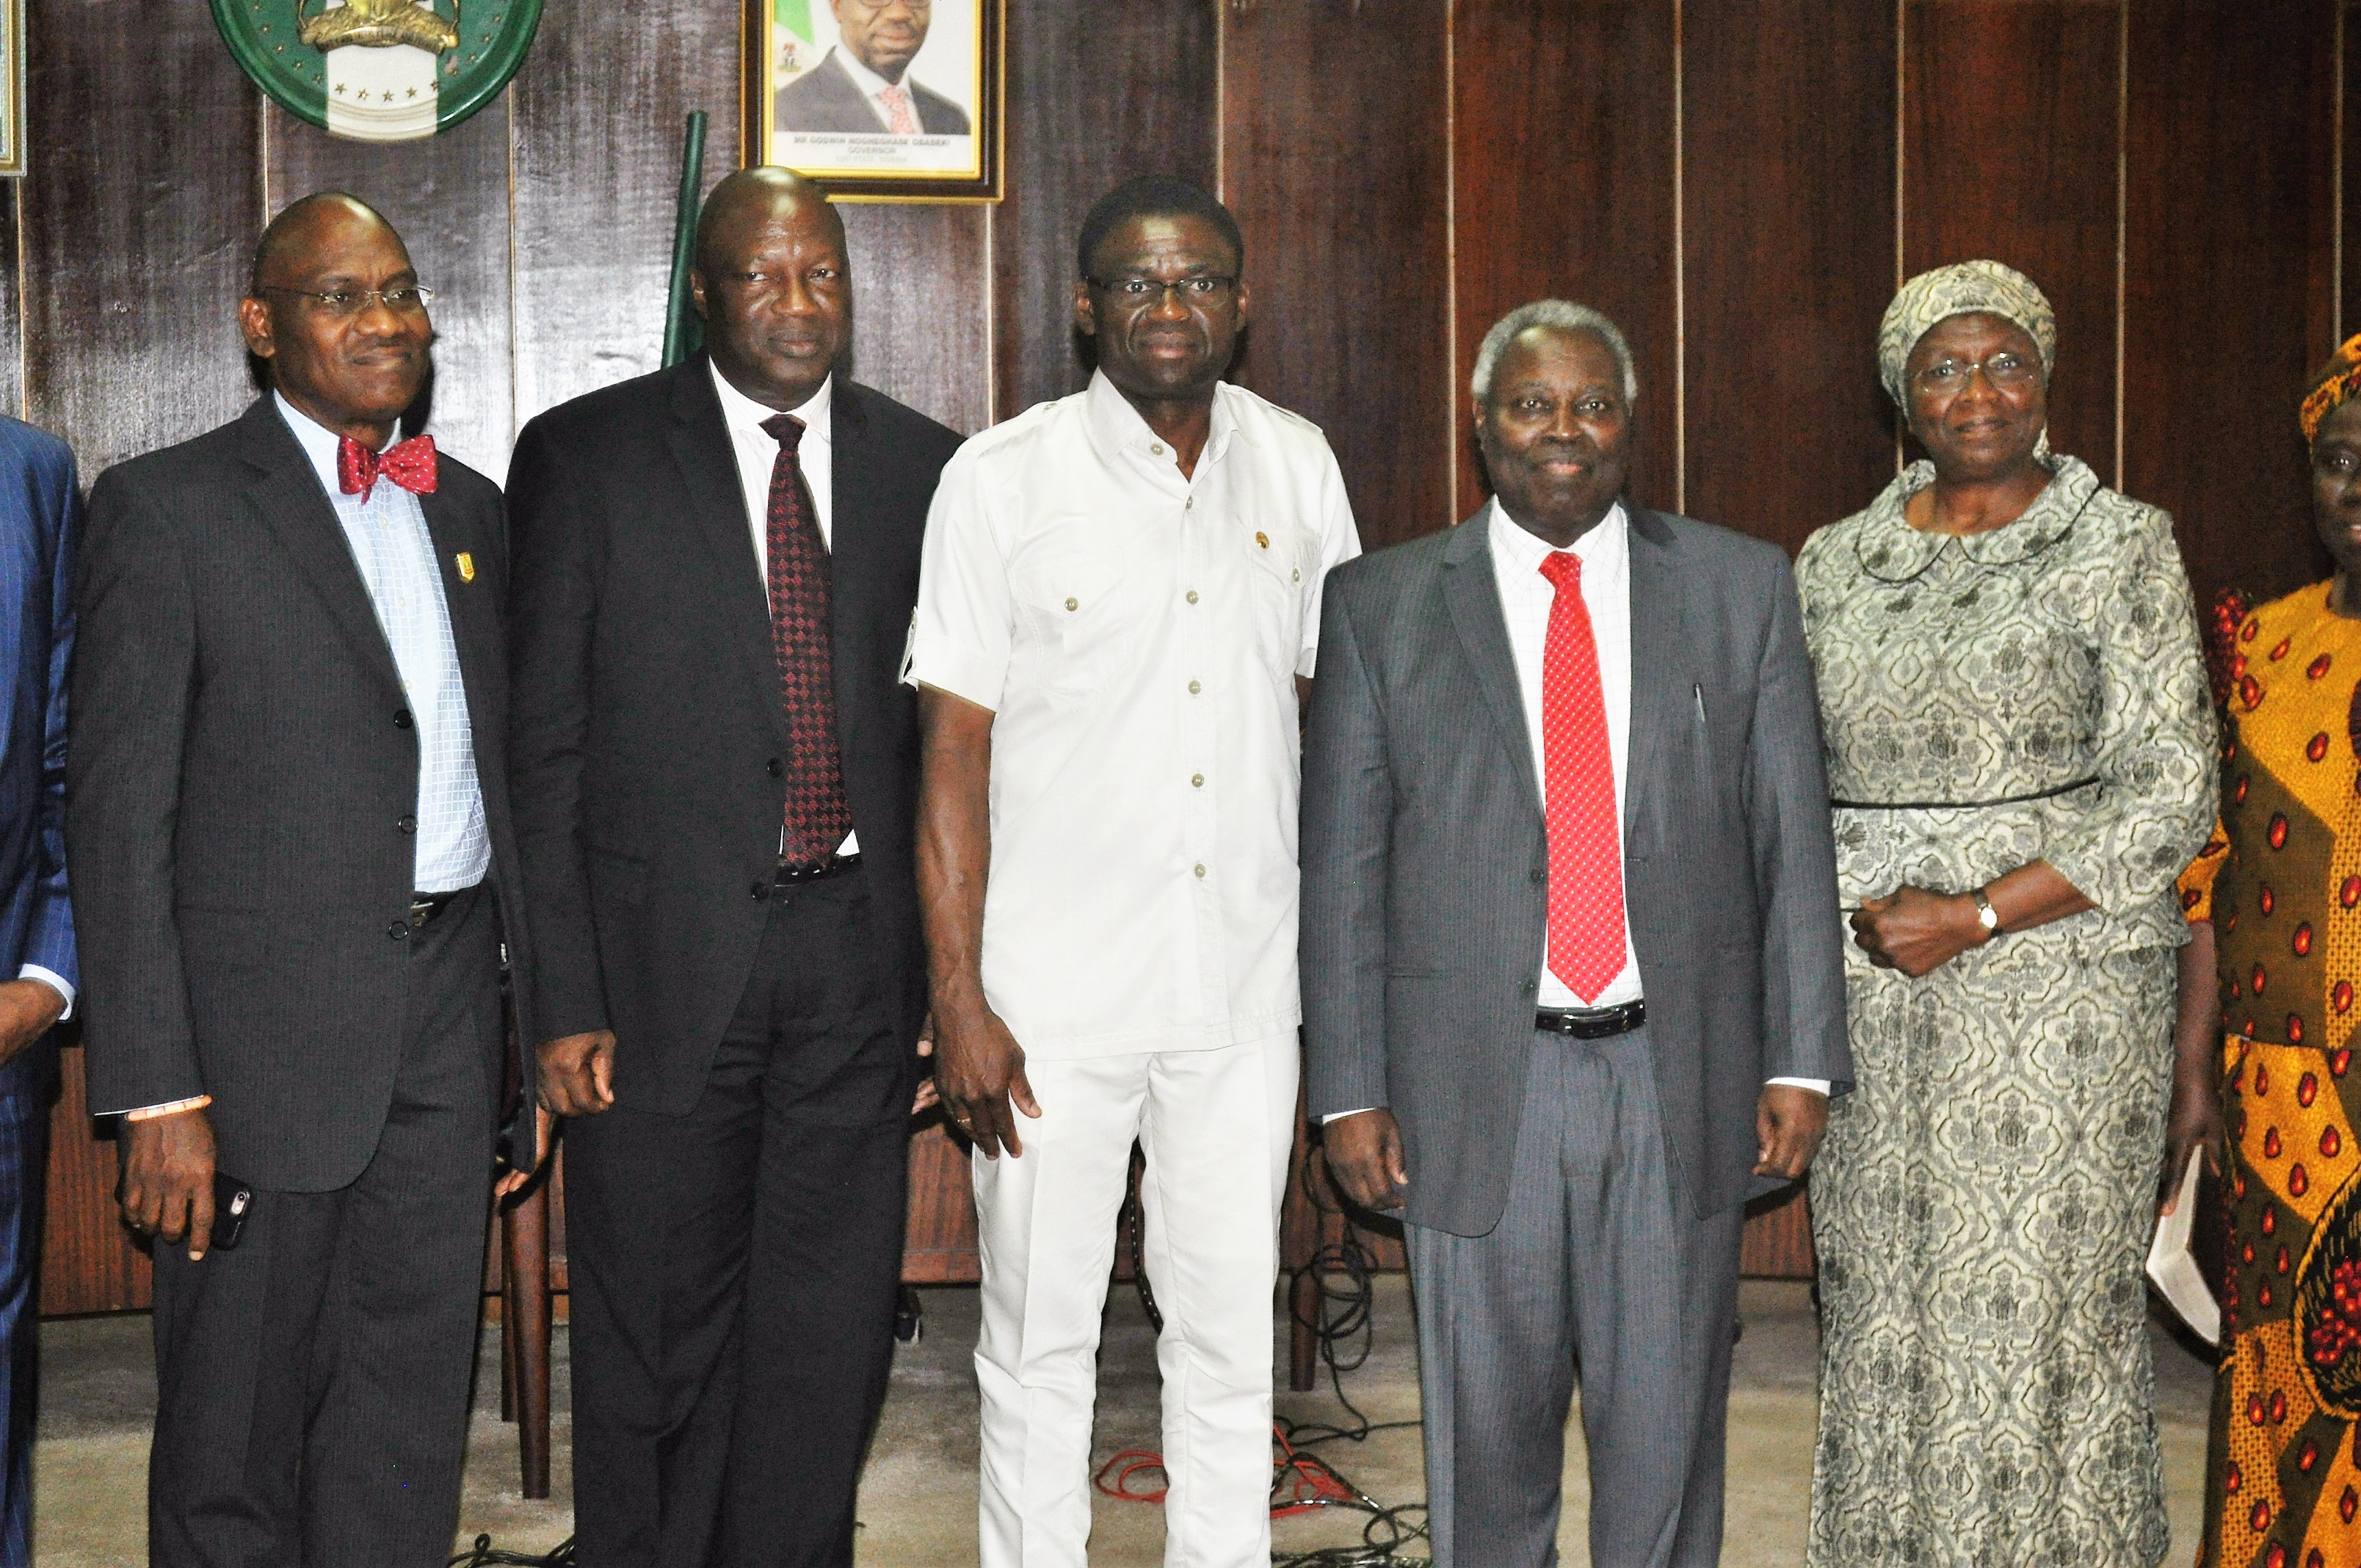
x=12 y=81
x=981 y=181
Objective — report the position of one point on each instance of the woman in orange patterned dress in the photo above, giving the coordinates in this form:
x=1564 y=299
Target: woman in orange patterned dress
x=2283 y=1478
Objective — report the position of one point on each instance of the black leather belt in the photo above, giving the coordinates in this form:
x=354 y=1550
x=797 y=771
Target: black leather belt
x=817 y=871
x=426 y=908
x=1592 y=1023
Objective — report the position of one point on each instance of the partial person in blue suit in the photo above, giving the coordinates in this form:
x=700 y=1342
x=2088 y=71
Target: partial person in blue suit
x=40 y=515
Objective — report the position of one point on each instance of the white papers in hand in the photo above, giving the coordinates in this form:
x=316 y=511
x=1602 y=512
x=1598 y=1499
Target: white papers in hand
x=2172 y=1267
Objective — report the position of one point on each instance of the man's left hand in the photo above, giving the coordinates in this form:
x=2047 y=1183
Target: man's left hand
x=1789 y=1123
x=27 y=1008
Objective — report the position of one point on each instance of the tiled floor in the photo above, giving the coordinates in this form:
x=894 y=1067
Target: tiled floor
x=917 y=1504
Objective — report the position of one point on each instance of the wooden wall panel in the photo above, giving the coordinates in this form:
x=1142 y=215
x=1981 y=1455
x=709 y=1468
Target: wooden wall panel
x=139 y=211
x=12 y=299
x=449 y=198
x=1563 y=160
x=597 y=112
x=2009 y=152
x=1789 y=116
x=89 y=1263
x=1345 y=214
x=1099 y=92
x=922 y=307
x=2226 y=148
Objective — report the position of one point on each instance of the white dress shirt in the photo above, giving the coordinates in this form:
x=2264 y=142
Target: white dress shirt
x=874 y=86
x=757 y=451
x=395 y=553
x=1136 y=634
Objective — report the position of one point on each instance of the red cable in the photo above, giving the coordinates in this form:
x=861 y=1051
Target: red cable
x=1300 y=1483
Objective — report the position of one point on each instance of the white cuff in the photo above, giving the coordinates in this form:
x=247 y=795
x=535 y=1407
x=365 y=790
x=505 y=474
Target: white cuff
x=1340 y=1115
x=55 y=981
x=1818 y=1086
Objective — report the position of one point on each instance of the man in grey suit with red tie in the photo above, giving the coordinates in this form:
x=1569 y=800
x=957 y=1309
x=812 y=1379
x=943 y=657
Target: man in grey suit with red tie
x=1571 y=953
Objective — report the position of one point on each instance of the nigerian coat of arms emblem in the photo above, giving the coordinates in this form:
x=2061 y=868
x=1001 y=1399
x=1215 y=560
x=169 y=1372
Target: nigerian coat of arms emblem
x=379 y=70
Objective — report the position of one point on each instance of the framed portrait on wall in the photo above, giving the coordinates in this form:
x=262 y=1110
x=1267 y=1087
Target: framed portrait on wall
x=882 y=100
x=12 y=84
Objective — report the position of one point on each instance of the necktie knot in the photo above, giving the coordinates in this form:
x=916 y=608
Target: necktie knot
x=409 y=464
x=1561 y=567
x=784 y=429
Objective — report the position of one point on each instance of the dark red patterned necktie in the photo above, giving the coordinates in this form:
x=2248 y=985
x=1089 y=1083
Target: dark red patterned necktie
x=817 y=818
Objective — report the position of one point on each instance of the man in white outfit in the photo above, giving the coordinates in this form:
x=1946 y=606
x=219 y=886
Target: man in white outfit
x=1118 y=612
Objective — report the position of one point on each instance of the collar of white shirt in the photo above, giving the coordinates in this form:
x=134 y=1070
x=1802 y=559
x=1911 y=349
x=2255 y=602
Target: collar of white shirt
x=1115 y=427
x=320 y=443
x=1605 y=547
x=873 y=86
x=744 y=416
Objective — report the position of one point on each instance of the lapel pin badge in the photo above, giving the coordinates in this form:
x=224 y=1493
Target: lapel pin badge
x=467 y=564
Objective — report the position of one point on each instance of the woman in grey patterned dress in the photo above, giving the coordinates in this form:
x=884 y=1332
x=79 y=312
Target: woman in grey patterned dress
x=2020 y=746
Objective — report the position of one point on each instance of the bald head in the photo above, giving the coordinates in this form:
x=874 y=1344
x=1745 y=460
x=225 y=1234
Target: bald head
x=752 y=200
x=773 y=285
x=300 y=226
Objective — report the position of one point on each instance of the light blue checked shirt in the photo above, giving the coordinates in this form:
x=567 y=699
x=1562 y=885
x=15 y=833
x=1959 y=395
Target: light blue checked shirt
x=396 y=557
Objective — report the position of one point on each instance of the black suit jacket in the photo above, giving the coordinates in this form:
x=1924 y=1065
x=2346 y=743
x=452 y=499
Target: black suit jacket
x=648 y=731
x=241 y=772
x=826 y=101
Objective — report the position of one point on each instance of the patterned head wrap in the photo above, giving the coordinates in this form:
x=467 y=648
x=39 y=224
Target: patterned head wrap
x=2334 y=387
x=1956 y=290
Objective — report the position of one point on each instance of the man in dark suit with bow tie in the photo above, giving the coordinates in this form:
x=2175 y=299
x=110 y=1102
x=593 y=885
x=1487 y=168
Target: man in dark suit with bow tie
x=716 y=775
x=287 y=811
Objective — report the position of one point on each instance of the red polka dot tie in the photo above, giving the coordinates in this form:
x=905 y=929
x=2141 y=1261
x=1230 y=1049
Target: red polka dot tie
x=1586 y=854
x=817 y=818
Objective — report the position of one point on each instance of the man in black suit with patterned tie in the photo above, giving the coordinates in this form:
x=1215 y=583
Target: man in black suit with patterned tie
x=715 y=782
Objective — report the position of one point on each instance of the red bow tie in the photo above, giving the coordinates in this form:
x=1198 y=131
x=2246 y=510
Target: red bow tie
x=409 y=464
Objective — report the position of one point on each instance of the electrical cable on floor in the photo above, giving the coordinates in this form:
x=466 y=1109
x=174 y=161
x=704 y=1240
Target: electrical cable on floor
x=1343 y=1325
x=487 y=1555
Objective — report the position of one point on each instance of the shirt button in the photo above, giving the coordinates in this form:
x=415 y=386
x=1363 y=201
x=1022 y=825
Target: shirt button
x=1192 y=596
x=1197 y=780
x=401 y=718
x=407 y=823
x=775 y=768
x=1194 y=688
x=758 y=890
x=1201 y=870
x=1189 y=505
x=1540 y=877
x=1296 y=575
x=1157 y=447
x=398 y=930
x=1073 y=604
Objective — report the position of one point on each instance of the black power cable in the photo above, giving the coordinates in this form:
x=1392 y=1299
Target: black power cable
x=487 y=1555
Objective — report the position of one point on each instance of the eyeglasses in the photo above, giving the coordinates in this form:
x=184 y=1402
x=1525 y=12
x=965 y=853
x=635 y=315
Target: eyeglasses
x=1133 y=293
x=871 y=8
x=403 y=300
x=2006 y=371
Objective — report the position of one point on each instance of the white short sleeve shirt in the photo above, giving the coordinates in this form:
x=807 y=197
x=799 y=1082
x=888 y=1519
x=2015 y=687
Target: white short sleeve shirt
x=1136 y=634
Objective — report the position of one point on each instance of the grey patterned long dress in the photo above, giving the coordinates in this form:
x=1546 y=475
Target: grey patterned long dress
x=1983 y=1205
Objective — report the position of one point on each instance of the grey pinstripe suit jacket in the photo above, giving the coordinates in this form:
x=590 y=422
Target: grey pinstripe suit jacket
x=1424 y=857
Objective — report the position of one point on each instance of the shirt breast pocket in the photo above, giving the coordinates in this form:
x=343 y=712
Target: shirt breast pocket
x=1275 y=586
x=1068 y=627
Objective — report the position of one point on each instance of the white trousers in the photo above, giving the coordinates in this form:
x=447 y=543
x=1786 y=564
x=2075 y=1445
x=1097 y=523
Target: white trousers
x=1216 y=1127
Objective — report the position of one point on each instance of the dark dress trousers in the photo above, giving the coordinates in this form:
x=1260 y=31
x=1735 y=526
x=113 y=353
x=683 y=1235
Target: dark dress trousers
x=734 y=1221
x=240 y=810
x=1569 y=1198
x=41 y=523
x=825 y=100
